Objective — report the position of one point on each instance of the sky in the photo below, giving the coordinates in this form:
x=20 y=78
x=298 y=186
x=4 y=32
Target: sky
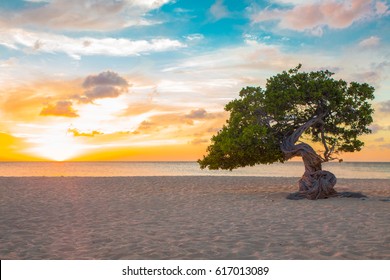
x=148 y=79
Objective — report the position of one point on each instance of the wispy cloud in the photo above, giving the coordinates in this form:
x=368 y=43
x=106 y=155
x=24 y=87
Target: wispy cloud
x=97 y=15
x=200 y=141
x=41 y=42
x=252 y=55
x=8 y=62
x=195 y=37
x=314 y=16
x=381 y=8
x=370 y=42
x=258 y=59
x=219 y=10
x=193 y=121
x=385 y=106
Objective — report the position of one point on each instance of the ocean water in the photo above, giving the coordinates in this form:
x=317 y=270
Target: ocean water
x=358 y=170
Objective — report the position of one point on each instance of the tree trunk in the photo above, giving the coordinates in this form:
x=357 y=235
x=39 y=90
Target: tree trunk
x=315 y=182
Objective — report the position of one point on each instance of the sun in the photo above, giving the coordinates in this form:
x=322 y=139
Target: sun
x=56 y=147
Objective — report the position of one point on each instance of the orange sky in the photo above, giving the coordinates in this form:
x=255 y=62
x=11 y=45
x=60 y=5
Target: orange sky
x=116 y=129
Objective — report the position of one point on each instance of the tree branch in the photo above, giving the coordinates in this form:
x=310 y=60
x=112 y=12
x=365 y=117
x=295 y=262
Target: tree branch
x=289 y=147
x=327 y=152
x=293 y=138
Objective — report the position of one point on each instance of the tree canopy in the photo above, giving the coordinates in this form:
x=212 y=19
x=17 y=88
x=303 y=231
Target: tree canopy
x=327 y=111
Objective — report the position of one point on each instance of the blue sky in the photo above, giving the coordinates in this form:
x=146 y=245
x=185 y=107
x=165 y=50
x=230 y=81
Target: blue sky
x=182 y=60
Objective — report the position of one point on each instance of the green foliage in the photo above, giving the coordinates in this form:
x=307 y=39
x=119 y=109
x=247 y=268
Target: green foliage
x=260 y=120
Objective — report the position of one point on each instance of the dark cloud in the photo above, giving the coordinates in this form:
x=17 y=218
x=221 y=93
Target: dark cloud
x=102 y=92
x=107 y=84
x=105 y=79
x=201 y=113
x=61 y=108
x=197 y=114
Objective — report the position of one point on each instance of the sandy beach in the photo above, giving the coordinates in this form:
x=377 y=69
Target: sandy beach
x=189 y=217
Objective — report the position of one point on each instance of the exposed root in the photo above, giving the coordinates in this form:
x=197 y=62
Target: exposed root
x=318 y=184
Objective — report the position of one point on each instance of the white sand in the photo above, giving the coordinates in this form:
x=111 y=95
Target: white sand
x=188 y=218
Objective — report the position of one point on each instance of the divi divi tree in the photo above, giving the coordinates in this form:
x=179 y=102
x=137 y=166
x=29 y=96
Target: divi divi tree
x=298 y=114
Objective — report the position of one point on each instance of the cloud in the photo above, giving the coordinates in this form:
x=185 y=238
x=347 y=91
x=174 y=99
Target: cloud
x=385 y=106
x=380 y=139
x=218 y=10
x=289 y=2
x=8 y=62
x=107 y=78
x=99 y=92
x=375 y=74
x=61 y=108
x=107 y=84
x=94 y=15
x=202 y=114
x=372 y=41
x=21 y=102
x=385 y=146
x=77 y=133
x=176 y=120
x=147 y=127
x=313 y=17
x=197 y=114
x=194 y=37
x=256 y=60
x=199 y=141
x=243 y=59
x=41 y=42
x=375 y=128
x=381 y=8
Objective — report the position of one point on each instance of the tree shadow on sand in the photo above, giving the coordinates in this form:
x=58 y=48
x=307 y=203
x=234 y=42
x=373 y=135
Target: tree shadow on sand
x=303 y=195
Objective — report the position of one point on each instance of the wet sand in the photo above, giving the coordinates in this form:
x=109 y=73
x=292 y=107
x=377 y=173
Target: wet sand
x=189 y=218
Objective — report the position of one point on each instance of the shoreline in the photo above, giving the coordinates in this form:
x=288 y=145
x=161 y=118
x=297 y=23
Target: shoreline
x=189 y=217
